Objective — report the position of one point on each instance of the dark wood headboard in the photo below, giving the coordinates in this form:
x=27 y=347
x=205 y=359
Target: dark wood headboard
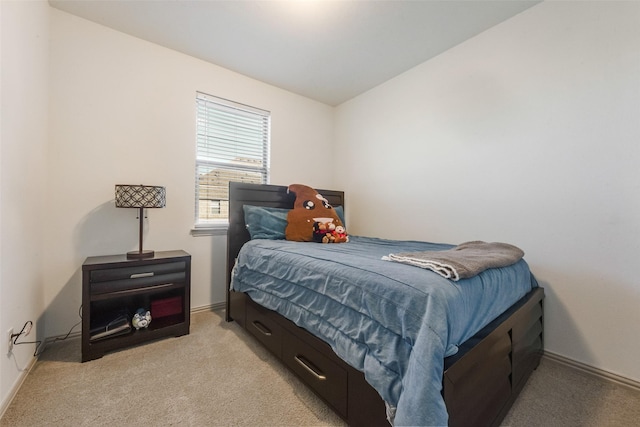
x=275 y=196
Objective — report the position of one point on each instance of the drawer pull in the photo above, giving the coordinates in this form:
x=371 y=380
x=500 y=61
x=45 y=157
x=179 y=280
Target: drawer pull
x=308 y=366
x=140 y=275
x=263 y=329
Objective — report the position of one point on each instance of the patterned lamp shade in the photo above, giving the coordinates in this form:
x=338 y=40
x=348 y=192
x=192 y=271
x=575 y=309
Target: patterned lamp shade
x=140 y=196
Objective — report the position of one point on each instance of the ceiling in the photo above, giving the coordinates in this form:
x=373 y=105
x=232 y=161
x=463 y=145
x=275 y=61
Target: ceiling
x=327 y=50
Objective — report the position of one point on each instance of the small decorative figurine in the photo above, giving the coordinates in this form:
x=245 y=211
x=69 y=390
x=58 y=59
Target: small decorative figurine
x=141 y=319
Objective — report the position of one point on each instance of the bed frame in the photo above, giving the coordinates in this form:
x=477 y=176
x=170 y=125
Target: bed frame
x=480 y=382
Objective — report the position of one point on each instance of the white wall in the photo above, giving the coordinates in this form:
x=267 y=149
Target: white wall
x=528 y=133
x=23 y=146
x=123 y=111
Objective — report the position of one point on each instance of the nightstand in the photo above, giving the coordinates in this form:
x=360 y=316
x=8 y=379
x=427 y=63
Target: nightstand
x=114 y=287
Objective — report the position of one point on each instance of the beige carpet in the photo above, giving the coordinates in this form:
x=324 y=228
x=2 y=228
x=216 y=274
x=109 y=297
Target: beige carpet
x=560 y=396
x=215 y=376
x=219 y=376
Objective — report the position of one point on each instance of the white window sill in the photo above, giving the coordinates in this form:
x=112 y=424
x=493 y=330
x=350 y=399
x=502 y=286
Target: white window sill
x=219 y=229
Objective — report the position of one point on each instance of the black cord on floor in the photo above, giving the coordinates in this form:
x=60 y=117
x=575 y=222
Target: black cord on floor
x=27 y=327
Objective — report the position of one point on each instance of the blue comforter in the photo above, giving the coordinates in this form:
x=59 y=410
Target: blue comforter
x=394 y=322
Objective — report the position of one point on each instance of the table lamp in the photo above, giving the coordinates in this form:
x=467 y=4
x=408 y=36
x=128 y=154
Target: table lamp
x=140 y=197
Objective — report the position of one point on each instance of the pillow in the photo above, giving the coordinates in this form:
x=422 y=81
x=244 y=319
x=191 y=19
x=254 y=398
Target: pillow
x=265 y=222
x=309 y=208
x=340 y=211
x=269 y=223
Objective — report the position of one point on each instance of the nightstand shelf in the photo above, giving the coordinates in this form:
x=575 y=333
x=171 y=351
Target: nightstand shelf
x=114 y=285
x=148 y=290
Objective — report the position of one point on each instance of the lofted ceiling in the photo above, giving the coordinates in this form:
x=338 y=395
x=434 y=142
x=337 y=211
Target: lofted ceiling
x=327 y=50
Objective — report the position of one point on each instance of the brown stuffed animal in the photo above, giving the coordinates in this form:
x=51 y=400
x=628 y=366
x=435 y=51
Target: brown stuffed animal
x=309 y=208
x=340 y=235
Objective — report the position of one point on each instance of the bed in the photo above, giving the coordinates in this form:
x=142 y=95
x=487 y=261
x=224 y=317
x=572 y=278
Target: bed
x=471 y=370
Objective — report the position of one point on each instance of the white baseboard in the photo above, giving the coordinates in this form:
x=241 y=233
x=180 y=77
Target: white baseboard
x=16 y=386
x=605 y=375
x=210 y=307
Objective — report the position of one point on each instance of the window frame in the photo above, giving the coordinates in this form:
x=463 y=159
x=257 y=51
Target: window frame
x=218 y=105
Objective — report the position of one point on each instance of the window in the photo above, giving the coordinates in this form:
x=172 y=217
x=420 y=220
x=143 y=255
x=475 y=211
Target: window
x=232 y=145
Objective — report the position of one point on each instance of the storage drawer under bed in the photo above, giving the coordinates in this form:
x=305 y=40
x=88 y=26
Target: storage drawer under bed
x=326 y=377
x=261 y=324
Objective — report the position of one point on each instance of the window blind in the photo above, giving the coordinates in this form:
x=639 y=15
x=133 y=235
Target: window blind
x=232 y=145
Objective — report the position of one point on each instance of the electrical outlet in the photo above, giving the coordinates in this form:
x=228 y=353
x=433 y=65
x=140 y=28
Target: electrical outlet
x=9 y=340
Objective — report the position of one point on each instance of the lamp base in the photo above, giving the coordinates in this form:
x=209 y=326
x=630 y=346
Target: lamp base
x=140 y=254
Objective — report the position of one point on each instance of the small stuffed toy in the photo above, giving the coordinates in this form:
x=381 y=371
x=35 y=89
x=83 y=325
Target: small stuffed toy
x=323 y=232
x=309 y=208
x=340 y=235
x=141 y=319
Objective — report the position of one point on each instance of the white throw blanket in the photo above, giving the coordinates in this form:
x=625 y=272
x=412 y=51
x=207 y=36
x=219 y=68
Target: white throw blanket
x=464 y=261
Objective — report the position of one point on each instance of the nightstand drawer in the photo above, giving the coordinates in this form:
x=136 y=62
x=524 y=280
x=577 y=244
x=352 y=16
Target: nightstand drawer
x=319 y=372
x=115 y=279
x=134 y=272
